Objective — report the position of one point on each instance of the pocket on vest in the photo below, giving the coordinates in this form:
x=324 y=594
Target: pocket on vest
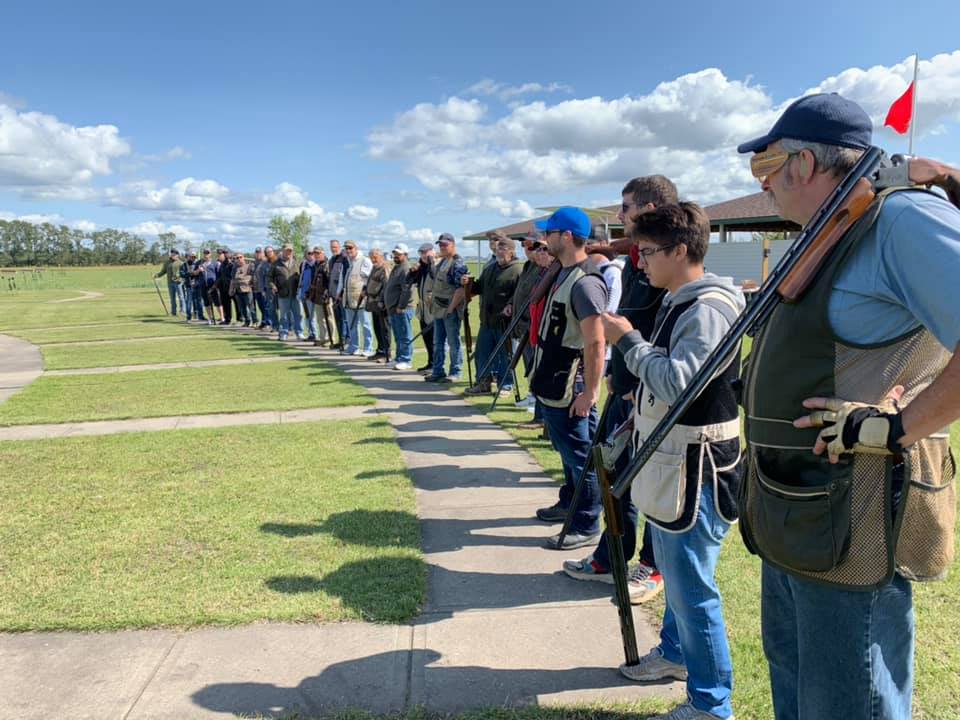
x=925 y=545
x=804 y=528
x=660 y=491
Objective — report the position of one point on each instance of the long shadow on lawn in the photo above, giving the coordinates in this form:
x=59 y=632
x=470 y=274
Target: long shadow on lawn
x=365 y=684
x=383 y=589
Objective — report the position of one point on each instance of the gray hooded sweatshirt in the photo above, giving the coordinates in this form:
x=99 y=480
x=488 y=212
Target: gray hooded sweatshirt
x=695 y=335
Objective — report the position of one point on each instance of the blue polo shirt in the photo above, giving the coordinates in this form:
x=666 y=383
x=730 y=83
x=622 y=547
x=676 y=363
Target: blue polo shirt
x=903 y=274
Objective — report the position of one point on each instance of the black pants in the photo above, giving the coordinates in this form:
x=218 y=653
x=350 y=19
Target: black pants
x=381 y=330
x=426 y=334
x=338 y=317
x=226 y=302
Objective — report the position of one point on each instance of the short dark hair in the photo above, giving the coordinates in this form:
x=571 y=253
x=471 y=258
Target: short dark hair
x=672 y=225
x=655 y=189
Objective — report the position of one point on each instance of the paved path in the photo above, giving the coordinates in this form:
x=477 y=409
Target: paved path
x=84 y=295
x=500 y=624
x=178 y=365
x=20 y=364
x=182 y=422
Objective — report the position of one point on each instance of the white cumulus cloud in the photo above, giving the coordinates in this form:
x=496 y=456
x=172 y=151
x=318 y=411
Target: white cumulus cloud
x=362 y=212
x=40 y=151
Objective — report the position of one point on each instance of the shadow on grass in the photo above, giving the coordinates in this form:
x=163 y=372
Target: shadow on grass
x=370 y=528
x=383 y=684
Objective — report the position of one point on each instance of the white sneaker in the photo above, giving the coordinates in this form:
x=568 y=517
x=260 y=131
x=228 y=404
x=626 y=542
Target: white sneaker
x=643 y=582
x=528 y=402
x=653 y=667
x=358 y=352
x=402 y=366
x=367 y=353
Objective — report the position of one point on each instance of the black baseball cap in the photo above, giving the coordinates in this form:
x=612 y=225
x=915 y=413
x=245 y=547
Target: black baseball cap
x=824 y=118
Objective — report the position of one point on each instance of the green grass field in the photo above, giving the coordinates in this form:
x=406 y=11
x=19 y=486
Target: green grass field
x=208 y=526
x=210 y=346
x=194 y=391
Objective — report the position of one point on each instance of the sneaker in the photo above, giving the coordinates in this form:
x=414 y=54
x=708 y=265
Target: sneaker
x=504 y=392
x=587 y=569
x=528 y=402
x=450 y=379
x=554 y=513
x=211 y=322
x=688 y=712
x=311 y=338
x=246 y=323
x=435 y=378
x=571 y=541
x=367 y=353
x=403 y=366
x=377 y=357
x=300 y=337
x=358 y=352
x=653 y=667
x=643 y=582
x=426 y=369
x=282 y=337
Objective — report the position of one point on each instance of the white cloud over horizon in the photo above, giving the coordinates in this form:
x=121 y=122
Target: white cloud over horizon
x=686 y=128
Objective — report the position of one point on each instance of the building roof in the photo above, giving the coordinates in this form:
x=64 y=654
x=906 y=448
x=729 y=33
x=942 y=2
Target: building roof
x=755 y=212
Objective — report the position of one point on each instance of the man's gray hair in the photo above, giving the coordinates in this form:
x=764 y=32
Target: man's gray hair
x=834 y=159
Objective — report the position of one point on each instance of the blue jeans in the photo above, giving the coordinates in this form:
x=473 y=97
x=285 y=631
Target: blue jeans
x=290 y=316
x=572 y=438
x=837 y=653
x=244 y=301
x=362 y=325
x=311 y=318
x=487 y=339
x=261 y=303
x=402 y=326
x=194 y=304
x=176 y=298
x=693 y=632
x=446 y=331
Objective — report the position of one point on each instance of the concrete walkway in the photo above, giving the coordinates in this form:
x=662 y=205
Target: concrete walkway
x=500 y=625
x=84 y=295
x=20 y=364
x=177 y=365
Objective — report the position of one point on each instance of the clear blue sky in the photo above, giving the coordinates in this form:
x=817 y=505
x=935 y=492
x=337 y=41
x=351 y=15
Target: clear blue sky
x=253 y=95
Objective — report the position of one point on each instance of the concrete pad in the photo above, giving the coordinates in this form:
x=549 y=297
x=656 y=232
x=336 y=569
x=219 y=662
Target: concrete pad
x=545 y=656
x=20 y=364
x=275 y=671
x=73 y=675
x=264 y=417
x=350 y=412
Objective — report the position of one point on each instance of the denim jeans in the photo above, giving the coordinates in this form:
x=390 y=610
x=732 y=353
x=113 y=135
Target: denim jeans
x=290 y=316
x=572 y=438
x=310 y=319
x=194 y=304
x=402 y=325
x=693 y=632
x=837 y=653
x=359 y=329
x=487 y=339
x=176 y=298
x=446 y=331
x=244 y=300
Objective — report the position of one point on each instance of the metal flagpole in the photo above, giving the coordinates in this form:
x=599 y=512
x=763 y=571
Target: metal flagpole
x=913 y=108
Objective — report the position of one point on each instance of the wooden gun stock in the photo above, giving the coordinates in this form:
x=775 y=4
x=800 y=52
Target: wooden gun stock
x=802 y=274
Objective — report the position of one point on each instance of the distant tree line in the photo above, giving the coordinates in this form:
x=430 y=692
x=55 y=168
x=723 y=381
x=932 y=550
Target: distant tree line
x=24 y=244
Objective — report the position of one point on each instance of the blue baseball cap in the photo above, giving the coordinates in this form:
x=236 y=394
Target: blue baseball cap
x=567 y=218
x=825 y=118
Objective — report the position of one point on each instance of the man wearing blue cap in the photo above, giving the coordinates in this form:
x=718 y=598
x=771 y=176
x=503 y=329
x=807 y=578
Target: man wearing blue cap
x=568 y=368
x=848 y=504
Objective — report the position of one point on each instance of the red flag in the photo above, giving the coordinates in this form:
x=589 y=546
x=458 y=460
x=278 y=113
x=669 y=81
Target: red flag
x=901 y=112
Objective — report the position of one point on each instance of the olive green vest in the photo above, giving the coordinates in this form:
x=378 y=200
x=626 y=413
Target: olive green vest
x=854 y=523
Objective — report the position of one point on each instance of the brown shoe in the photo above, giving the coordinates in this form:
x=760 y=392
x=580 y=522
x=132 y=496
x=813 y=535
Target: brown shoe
x=482 y=387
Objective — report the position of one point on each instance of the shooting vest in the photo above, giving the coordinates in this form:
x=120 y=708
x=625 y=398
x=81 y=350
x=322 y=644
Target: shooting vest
x=855 y=523
x=559 y=350
x=355 y=283
x=443 y=289
x=703 y=446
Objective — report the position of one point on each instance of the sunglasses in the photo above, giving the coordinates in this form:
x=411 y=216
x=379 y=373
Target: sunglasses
x=539 y=248
x=766 y=163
